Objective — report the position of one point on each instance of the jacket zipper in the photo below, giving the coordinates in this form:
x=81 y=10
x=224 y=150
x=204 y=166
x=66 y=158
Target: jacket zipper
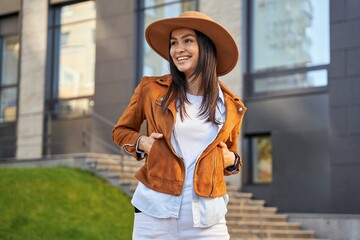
x=213 y=178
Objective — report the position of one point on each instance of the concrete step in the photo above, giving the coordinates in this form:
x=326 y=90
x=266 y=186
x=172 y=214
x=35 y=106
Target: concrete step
x=240 y=195
x=123 y=175
x=233 y=224
x=295 y=234
x=106 y=161
x=123 y=169
x=248 y=202
x=125 y=160
x=256 y=217
x=129 y=182
x=251 y=209
x=119 y=165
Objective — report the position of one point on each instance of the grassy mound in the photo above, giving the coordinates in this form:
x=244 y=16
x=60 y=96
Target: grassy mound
x=61 y=203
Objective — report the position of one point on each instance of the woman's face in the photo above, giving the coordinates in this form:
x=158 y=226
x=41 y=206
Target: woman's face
x=184 y=50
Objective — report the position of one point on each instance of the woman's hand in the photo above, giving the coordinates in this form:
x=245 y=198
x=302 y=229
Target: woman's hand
x=229 y=156
x=146 y=142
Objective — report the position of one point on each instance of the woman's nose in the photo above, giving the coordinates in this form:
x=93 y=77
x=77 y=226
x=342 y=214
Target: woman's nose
x=180 y=48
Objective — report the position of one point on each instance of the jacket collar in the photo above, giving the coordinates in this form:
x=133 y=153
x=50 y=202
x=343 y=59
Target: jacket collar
x=223 y=95
x=165 y=80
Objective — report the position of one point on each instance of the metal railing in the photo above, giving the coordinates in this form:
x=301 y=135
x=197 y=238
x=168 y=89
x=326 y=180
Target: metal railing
x=90 y=140
x=91 y=136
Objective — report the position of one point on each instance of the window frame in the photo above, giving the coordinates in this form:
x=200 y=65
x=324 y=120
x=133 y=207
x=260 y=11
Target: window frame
x=250 y=76
x=52 y=99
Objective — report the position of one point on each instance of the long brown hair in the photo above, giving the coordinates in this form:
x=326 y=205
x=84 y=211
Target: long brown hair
x=206 y=68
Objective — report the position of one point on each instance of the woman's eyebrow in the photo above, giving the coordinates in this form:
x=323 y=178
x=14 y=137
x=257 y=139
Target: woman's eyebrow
x=185 y=36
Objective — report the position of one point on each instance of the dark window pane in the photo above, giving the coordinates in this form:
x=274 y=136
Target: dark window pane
x=8 y=104
x=262 y=159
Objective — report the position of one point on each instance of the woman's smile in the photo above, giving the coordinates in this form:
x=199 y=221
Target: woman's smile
x=183 y=58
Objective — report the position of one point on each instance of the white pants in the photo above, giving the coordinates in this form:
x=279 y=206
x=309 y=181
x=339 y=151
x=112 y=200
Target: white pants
x=150 y=228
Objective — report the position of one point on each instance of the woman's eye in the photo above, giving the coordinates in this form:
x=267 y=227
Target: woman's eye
x=188 y=40
x=172 y=43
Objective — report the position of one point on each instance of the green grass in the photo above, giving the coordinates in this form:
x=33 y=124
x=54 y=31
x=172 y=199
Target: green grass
x=61 y=203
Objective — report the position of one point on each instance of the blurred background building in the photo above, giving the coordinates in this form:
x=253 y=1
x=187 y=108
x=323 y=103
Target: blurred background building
x=68 y=69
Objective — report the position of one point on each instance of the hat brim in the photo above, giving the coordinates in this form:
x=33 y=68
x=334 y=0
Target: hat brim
x=158 y=33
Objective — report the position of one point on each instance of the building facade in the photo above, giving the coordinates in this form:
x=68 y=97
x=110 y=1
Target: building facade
x=69 y=67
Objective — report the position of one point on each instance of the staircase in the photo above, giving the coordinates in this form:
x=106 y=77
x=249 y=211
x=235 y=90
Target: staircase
x=250 y=219
x=119 y=170
x=247 y=218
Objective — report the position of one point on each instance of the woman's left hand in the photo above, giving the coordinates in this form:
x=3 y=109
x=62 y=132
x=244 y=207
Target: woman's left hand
x=229 y=156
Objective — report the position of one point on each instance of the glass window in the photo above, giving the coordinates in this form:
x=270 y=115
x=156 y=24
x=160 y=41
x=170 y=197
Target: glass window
x=77 y=107
x=261 y=159
x=9 y=77
x=309 y=79
x=8 y=104
x=74 y=74
x=151 y=11
x=289 y=39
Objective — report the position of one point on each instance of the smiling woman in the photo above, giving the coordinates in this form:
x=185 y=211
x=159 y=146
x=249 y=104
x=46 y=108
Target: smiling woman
x=182 y=191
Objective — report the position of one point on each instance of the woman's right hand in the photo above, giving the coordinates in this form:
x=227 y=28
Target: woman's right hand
x=146 y=142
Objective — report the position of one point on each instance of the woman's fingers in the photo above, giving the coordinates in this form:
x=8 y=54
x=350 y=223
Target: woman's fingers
x=156 y=135
x=229 y=156
x=146 y=143
x=222 y=145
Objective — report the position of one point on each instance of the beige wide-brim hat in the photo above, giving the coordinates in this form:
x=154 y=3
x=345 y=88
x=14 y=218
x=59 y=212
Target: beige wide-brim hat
x=158 y=37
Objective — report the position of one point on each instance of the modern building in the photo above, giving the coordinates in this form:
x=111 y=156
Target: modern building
x=68 y=69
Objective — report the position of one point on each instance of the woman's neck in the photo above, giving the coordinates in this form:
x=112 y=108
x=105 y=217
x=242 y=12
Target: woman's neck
x=195 y=87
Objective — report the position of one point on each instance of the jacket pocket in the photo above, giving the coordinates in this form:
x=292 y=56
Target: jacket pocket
x=152 y=163
x=161 y=163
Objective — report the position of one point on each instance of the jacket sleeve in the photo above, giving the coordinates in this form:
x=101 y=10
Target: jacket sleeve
x=126 y=131
x=232 y=143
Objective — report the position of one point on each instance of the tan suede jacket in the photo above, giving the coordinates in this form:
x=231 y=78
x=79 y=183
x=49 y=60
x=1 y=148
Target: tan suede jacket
x=164 y=170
